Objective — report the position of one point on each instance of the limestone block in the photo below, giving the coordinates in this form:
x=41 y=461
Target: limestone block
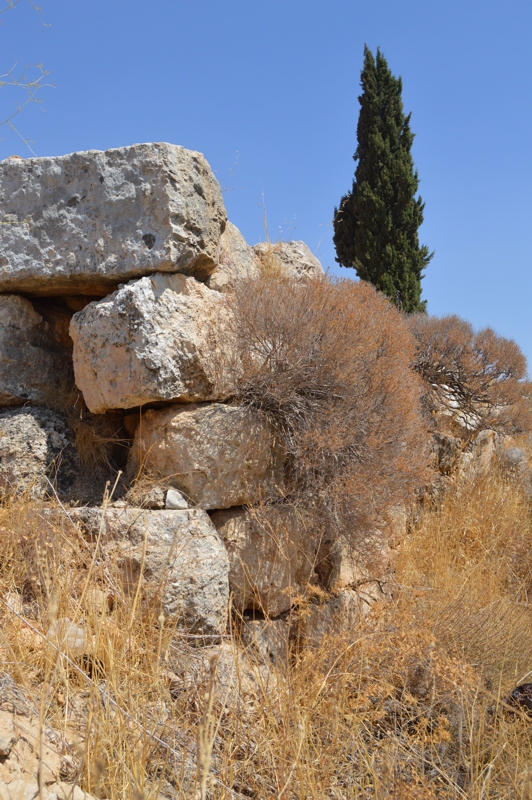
x=341 y=613
x=185 y=563
x=30 y=370
x=154 y=339
x=271 y=554
x=291 y=258
x=35 y=444
x=237 y=260
x=349 y=563
x=218 y=456
x=479 y=457
x=267 y=639
x=84 y=222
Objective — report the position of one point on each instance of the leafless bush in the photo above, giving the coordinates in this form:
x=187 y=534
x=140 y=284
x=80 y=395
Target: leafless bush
x=477 y=380
x=329 y=362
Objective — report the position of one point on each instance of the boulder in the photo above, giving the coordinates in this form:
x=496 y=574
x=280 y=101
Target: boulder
x=30 y=370
x=341 y=613
x=84 y=222
x=218 y=456
x=36 y=446
x=350 y=563
x=271 y=555
x=267 y=639
x=237 y=260
x=154 y=339
x=447 y=450
x=478 y=459
x=185 y=563
x=290 y=258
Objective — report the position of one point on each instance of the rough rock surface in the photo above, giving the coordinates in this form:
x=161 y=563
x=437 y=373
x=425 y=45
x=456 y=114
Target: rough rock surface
x=218 y=456
x=238 y=684
x=30 y=370
x=345 y=563
x=35 y=444
x=31 y=753
x=154 y=339
x=185 y=563
x=237 y=260
x=294 y=259
x=340 y=613
x=267 y=639
x=80 y=223
x=270 y=554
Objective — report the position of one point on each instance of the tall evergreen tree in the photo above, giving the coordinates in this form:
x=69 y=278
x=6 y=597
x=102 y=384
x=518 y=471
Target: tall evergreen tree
x=376 y=226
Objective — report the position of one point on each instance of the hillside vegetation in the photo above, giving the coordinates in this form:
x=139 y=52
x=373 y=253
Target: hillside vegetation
x=410 y=699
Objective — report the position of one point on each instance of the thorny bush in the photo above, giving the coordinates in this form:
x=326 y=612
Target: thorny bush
x=474 y=380
x=329 y=362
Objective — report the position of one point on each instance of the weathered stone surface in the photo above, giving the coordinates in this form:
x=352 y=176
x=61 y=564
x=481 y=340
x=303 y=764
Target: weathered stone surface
x=291 y=258
x=155 y=339
x=30 y=370
x=271 y=554
x=35 y=444
x=67 y=637
x=81 y=223
x=237 y=260
x=218 y=456
x=239 y=684
x=479 y=457
x=267 y=639
x=340 y=613
x=344 y=563
x=185 y=563
x=174 y=500
x=446 y=450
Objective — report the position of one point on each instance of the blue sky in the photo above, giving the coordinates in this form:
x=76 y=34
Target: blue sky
x=273 y=86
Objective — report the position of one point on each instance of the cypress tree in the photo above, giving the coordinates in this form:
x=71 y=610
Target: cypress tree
x=376 y=226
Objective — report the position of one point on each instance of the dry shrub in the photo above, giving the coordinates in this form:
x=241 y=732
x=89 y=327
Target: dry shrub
x=329 y=362
x=477 y=379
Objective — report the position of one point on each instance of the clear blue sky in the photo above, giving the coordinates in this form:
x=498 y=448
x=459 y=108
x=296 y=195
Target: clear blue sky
x=276 y=82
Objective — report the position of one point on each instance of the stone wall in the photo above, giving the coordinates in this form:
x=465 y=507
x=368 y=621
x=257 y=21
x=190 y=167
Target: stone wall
x=113 y=267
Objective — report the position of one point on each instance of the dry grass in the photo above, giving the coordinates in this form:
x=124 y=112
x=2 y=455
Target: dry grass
x=408 y=704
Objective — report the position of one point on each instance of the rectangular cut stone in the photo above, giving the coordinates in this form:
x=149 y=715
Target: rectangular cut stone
x=84 y=222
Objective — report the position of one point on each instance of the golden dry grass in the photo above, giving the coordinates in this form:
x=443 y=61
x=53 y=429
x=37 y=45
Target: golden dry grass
x=408 y=704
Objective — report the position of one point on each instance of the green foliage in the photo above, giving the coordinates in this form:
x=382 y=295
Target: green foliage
x=376 y=226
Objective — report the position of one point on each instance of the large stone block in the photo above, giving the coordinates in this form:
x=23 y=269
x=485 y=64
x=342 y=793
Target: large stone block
x=154 y=339
x=81 y=223
x=237 y=261
x=218 y=456
x=293 y=259
x=272 y=557
x=36 y=447
x=30 y=370
x=178 y=555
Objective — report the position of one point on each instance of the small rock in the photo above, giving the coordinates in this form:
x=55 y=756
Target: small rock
x=67 y=636
x=7 y=734
x=67 y=791
x=15 y=602
x=175 y=500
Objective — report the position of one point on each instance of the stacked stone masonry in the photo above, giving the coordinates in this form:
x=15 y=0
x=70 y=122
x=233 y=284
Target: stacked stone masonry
x=113 y=270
